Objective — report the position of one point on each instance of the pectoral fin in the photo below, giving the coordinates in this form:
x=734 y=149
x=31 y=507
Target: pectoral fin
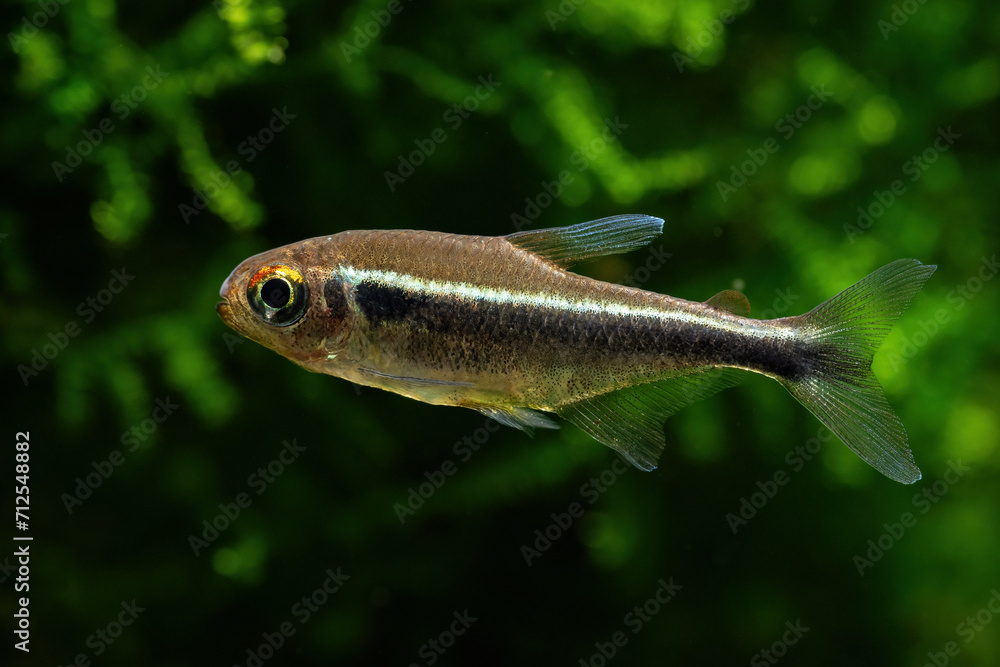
x=415 y=382
x=566 y=246
x=525 y=419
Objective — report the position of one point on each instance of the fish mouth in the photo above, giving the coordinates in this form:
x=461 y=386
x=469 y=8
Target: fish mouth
x=224 y=310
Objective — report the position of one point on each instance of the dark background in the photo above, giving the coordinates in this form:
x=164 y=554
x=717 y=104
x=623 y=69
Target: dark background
x=696 y=90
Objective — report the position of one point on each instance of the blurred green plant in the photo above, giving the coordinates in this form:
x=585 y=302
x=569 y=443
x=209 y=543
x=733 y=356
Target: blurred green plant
x=769 y=138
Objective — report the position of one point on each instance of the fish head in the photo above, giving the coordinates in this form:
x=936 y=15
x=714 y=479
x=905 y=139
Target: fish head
x=291 y=300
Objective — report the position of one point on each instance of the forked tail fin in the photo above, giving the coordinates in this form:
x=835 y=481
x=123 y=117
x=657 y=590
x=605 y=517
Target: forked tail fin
x=840 y=388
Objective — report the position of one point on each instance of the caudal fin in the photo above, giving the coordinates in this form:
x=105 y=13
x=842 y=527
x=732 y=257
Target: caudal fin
x=840 y=388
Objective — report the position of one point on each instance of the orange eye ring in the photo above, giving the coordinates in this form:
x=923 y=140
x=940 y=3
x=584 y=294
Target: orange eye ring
x=278 y=294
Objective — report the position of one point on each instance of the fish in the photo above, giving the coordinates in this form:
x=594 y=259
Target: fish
x=499 y=324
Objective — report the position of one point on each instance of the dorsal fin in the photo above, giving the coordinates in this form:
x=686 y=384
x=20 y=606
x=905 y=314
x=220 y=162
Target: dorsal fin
x=566 y=246
x=731 y=300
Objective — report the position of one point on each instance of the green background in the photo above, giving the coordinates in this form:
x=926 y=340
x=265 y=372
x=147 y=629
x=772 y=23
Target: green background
x=697 y=90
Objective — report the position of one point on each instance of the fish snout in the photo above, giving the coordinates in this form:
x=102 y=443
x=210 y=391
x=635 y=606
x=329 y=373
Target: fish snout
x=226 y=308
x=227 y=285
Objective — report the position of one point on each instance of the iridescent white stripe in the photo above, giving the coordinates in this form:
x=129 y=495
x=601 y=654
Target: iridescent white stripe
x=543 y=300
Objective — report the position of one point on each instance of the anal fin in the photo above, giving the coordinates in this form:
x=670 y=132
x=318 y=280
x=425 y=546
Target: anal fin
x=630 y=420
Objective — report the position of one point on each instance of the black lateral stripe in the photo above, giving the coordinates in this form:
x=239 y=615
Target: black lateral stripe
x=388 y=304
x=483 y=327
x=531 y=329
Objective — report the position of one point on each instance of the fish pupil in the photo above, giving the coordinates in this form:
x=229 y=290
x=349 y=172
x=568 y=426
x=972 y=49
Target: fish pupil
x=276 y=293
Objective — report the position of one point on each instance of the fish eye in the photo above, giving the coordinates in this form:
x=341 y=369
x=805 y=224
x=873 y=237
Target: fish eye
x=278 y=294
